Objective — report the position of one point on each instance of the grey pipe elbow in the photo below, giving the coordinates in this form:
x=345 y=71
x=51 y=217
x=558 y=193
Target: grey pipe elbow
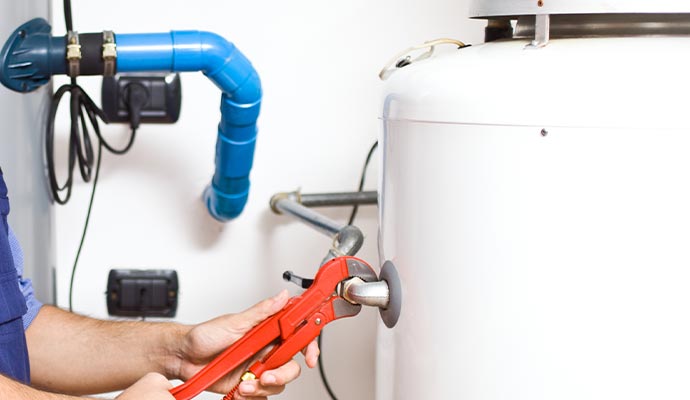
x=346 y=242
x=349 y=240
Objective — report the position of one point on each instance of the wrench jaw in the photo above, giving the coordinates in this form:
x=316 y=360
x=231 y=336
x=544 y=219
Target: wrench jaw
x=360 y=269
x=343 y=308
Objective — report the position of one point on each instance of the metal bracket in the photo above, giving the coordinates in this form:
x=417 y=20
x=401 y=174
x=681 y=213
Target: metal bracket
x=109 y=53
x=73 y=53
x=542 y=25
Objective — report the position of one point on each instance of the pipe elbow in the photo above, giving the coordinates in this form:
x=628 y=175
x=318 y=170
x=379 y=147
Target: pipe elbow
x=232 y=72
x=234 y=75
x=225 y=65
x=349 y=240
x=374 y=294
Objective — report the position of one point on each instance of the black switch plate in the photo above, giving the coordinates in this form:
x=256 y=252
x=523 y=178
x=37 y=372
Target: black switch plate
x=163 y=102
x=142 y=293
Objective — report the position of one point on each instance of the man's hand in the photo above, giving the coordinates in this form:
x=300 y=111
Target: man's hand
x=114 y=354
x=152 y=386
x=203 y=342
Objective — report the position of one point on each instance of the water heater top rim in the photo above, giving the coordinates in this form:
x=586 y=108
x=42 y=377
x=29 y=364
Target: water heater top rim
x=511 y=8
x=587 y=82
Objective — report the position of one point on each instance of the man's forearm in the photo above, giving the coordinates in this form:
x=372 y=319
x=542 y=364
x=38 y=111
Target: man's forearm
x=79 y=355
x=10 y=389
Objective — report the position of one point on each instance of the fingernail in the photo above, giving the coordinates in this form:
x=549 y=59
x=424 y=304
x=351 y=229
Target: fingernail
x=269 y=379
x=247 y=388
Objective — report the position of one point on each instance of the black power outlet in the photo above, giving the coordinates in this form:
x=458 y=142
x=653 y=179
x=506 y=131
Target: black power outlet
x=142 y=293
x=163 y=102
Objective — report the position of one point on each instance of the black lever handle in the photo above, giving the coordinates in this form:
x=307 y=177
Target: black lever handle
x=304 y=283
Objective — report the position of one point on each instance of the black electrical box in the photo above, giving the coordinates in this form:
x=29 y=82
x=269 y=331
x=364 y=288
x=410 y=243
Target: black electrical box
x=163 y=97
x=142 y=293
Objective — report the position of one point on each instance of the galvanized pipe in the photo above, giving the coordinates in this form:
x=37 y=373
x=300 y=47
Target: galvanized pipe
x=339 y=199
x=347 y=240
x=287 y=203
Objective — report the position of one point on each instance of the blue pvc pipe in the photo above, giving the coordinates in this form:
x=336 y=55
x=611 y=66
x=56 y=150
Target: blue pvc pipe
x=229 y=69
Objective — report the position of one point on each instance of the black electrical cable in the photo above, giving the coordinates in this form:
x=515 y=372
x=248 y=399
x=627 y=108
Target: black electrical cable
x=83 y=111
x=351 y=220
x=67 y=6
x=361 y=180
x=322 y=372
x=86 y=224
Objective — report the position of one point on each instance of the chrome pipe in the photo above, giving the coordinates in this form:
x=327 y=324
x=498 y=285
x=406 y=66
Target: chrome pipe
x=374 y=294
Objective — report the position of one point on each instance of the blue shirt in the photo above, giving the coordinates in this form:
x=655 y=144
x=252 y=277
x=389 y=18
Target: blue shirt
x=27 y=289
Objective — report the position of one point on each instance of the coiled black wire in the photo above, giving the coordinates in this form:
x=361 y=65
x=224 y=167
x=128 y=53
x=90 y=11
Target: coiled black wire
x=80 y=148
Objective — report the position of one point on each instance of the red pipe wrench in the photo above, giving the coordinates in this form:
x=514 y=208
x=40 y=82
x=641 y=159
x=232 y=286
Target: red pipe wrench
x=291 y=328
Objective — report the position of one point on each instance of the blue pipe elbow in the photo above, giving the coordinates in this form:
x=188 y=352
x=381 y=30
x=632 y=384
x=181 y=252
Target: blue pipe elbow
x=31 y=56
x=231 y=71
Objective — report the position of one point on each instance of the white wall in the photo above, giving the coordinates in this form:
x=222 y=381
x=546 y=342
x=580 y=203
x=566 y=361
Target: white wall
x=318 y=61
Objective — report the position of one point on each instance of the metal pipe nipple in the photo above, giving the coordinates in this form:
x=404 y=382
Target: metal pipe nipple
x=374 y=294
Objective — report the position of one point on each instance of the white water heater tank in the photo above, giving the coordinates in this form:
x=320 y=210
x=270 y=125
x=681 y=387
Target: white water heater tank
x=535 y=201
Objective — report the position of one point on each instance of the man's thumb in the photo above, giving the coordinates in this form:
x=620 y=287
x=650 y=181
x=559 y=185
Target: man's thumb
x=154 y=380
x=264 y=309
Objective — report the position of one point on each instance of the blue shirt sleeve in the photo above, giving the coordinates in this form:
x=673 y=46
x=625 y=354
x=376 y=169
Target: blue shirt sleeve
x=25 y=285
